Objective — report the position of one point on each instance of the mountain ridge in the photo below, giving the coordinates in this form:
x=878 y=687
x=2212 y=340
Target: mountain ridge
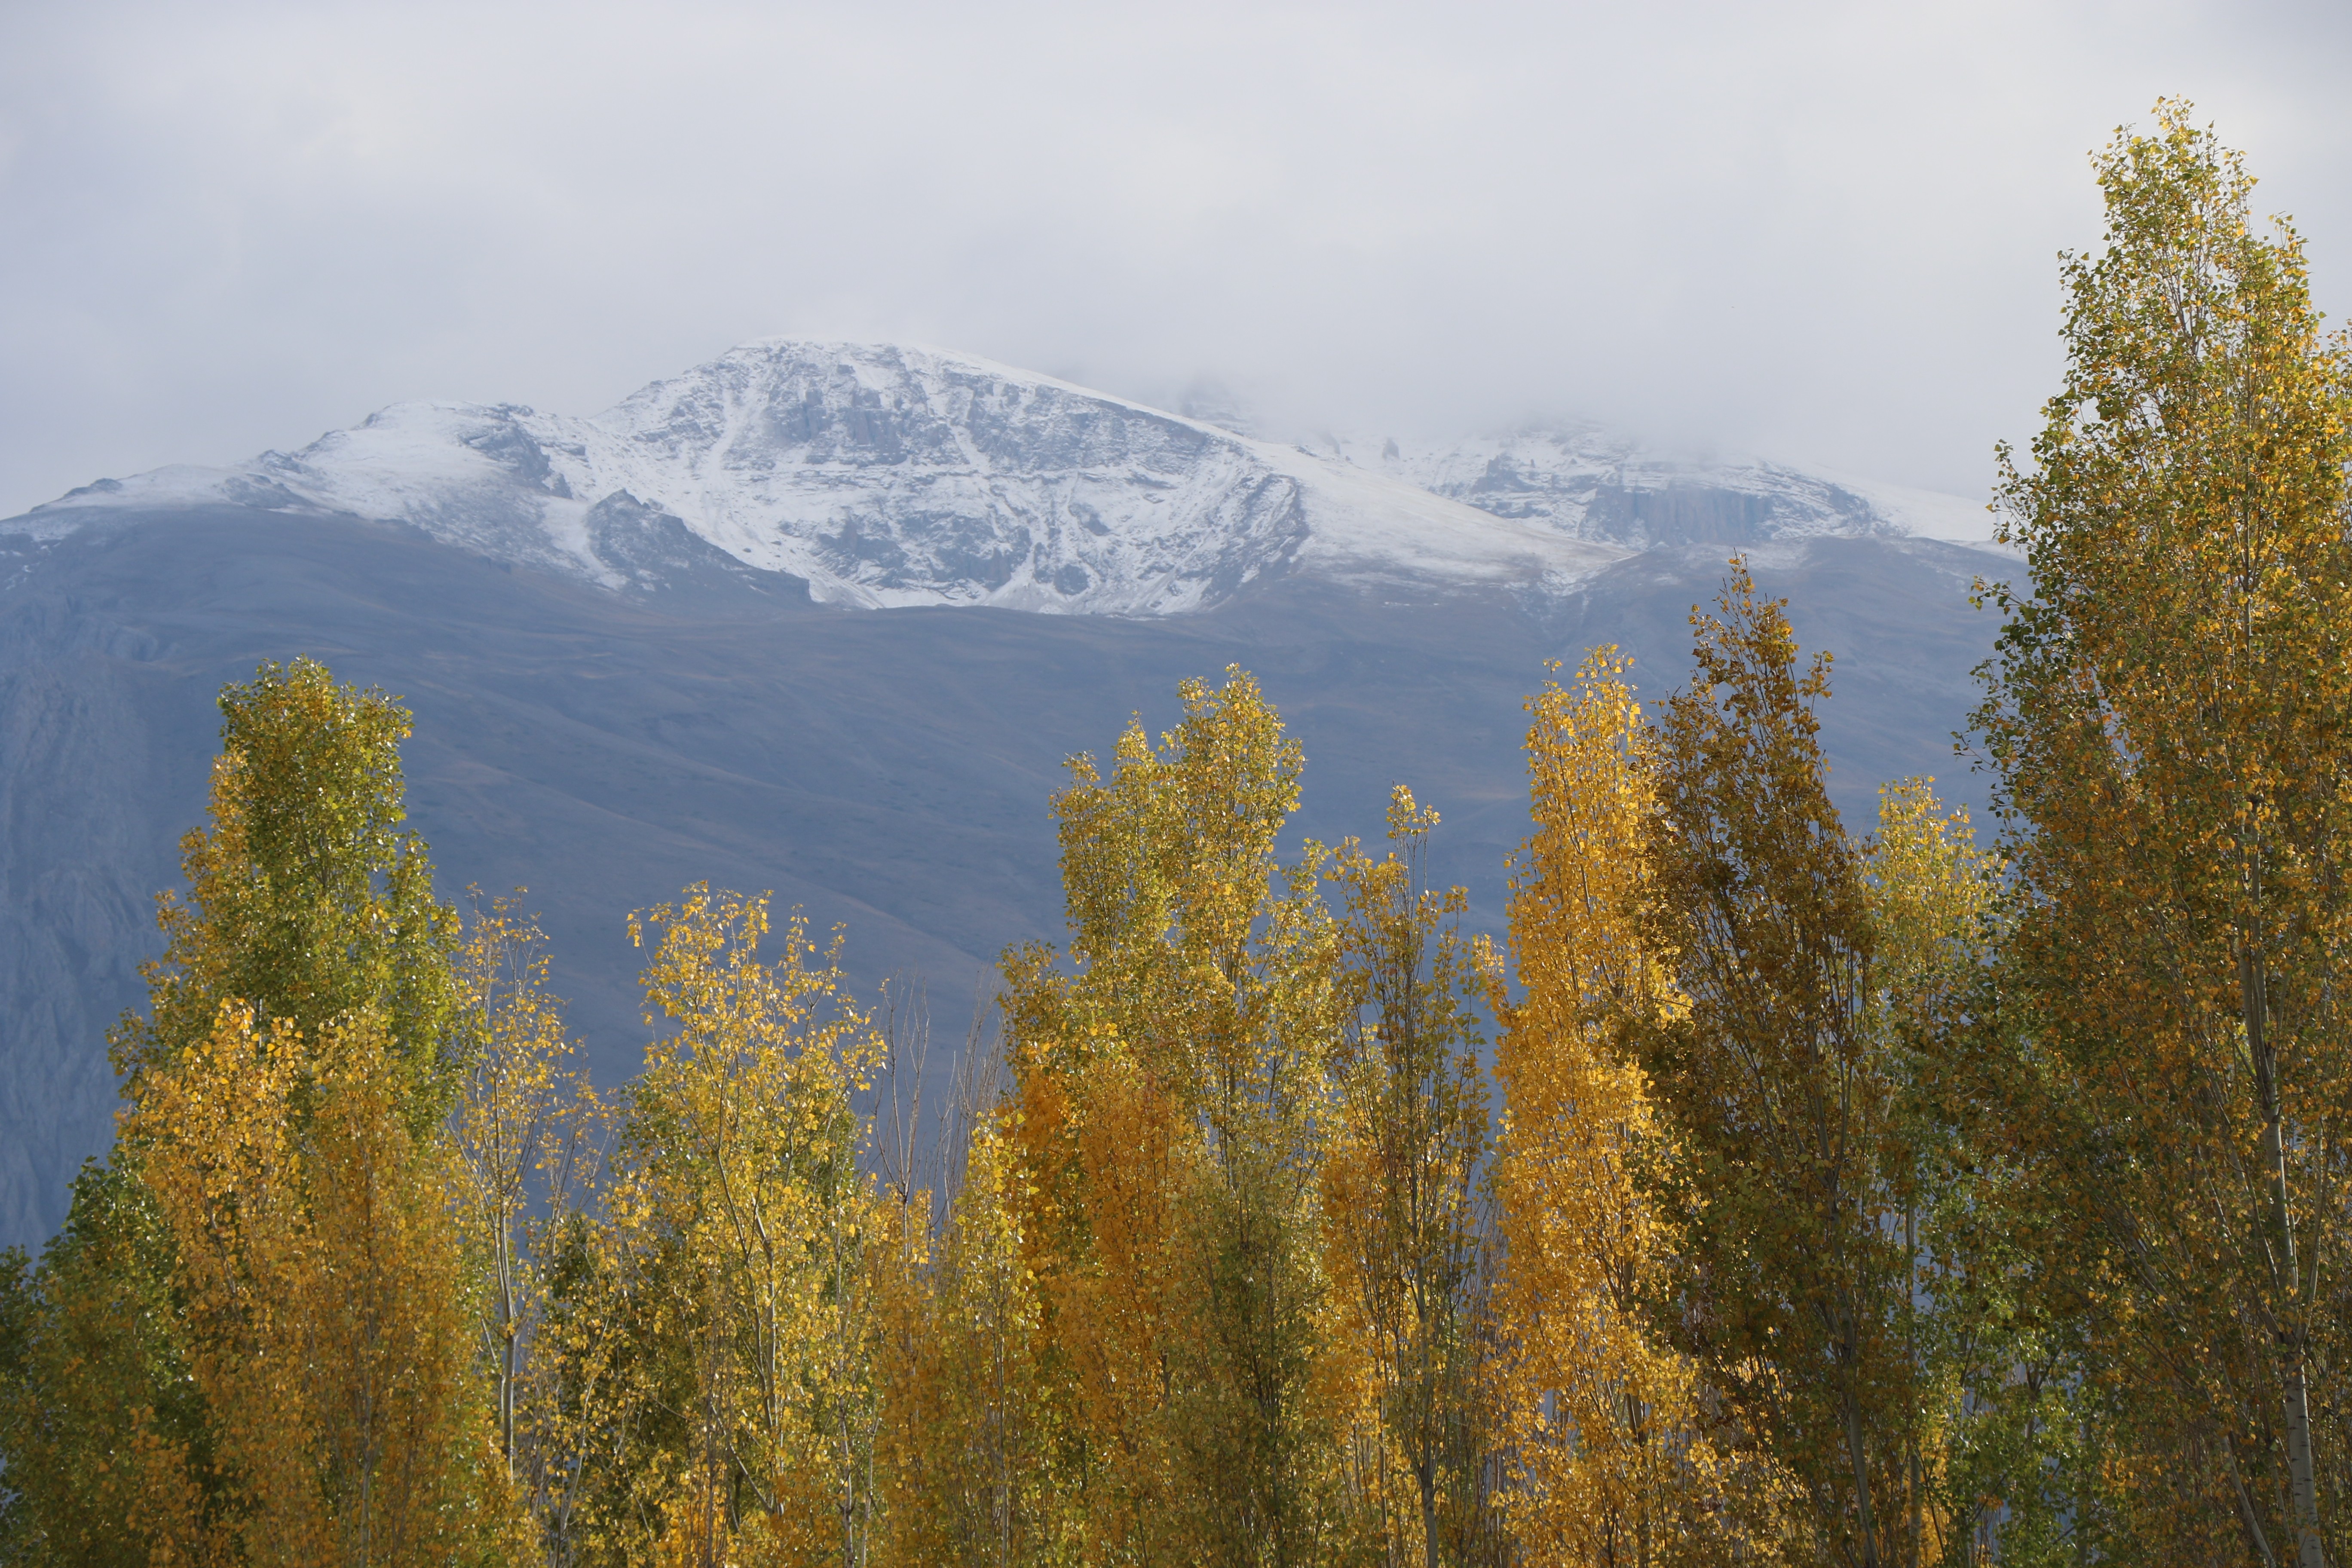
x=886 y=475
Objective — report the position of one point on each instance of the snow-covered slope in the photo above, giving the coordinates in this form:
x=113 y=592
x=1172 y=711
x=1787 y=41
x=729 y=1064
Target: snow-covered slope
x=886 y=475
x=1590 y=484
x=889 y=476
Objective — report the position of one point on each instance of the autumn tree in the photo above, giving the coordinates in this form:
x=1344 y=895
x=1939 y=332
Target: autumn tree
x=743 y=1224
x=1403 y=1194
x=609 y=1394
x=2166 y=717
x=105 y=1437
x=528 y=1136
x=308 y=904
x=1995 y=1463
x=971 y=1428
x=1614 y=1459
x=965 y=1447
x=1785 y=1189
x=321 y=1284
x=306 y=898
x=1170 y=1090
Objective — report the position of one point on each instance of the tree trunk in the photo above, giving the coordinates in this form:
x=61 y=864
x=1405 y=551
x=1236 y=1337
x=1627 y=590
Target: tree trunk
x=2309 y=1552
x=1429 y=1510
x=510 y=1345
x=2247 y=1517
x=2286 y=1277
x=1857 y=1453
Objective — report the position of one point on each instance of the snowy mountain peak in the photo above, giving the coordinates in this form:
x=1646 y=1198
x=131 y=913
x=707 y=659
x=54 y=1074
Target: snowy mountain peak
x=1588 y=483
x=891 y=475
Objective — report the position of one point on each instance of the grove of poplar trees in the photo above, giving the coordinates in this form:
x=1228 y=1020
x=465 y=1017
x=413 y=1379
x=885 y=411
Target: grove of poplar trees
x=1774 y=1193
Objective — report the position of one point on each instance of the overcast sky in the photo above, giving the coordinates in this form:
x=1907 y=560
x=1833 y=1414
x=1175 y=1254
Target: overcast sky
x=1823 y=232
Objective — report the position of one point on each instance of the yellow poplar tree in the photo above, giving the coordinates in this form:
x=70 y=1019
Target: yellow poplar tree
x=1169 y=1094
x=1616 y=1457
x=307 y=900
x=748 y=1228
x=969 y=1427
x=104 y=1433
x=322 y=1286
x=1410 y=1257
x=307 y=903
x=526 y=1132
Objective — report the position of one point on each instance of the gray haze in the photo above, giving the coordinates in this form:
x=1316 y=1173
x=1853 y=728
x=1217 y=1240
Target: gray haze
x=1820 y=231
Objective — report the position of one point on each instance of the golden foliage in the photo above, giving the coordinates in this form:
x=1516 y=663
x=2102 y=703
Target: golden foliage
x=1614 y=1462
x=104 y=1439
x=309 y=917
x=1167 y=1098
x=744 y=1228
x=526 y=1132
x=321 y=1276
x=970 y=1430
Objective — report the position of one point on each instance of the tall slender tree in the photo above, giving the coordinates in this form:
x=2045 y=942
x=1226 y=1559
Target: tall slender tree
x=2169 y=719
x=970 y=1427
x=1773 y=1084
x=1993 y=1465
x=747 y=1225
x=1170 y=1090
x=310 y=905
x=1411 y=1254
x=307 y=898
x=318 y=1274
x=1617 y=1463
x=527 y=1132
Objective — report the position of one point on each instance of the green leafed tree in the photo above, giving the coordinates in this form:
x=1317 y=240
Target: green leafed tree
x=307 y=898
x=1404 y=1196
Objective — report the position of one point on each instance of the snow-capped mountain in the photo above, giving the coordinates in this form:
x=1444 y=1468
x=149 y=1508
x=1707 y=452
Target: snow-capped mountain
x=1588 y=483
x=888 y=476
x=886 y=772
x=884 y=475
